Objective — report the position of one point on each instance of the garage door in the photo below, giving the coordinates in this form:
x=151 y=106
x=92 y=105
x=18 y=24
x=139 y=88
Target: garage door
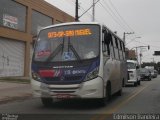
x=11 y=57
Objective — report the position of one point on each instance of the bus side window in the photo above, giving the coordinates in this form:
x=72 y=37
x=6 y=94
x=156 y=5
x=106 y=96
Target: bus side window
x=107 y=40
x=124 y=51
x=123 y=46
x=121 y=49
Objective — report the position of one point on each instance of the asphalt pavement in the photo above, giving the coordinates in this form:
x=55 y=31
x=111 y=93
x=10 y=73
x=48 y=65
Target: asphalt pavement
x=143 y=99
x=12 y=91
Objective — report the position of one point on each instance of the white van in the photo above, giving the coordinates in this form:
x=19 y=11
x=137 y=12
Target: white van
x=133 y=72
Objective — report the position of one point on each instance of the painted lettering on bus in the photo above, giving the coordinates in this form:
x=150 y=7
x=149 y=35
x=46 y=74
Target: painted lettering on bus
x=70 y=33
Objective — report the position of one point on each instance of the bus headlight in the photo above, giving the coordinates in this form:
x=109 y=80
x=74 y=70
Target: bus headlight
x=93 y=74
x=35 y=76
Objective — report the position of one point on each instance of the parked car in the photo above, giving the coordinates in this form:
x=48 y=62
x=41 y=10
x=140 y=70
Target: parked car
x=133 y=72
x=154 y=74
x=145 y=74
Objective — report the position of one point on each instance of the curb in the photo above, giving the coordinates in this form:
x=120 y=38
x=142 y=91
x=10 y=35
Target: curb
x=15 y=98
x=15 y=81
x=22 y=80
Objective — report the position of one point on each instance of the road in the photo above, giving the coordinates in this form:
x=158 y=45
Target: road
x=141 y=99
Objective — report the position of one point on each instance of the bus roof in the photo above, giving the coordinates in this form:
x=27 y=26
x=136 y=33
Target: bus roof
x=72 y=23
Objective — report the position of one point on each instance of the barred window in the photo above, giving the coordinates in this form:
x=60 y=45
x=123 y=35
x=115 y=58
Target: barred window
x=12 y=15
x=39 y=21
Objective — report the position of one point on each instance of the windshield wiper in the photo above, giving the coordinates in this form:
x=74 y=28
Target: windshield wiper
x=73 y=49
x=54 y=53
x=61 y=48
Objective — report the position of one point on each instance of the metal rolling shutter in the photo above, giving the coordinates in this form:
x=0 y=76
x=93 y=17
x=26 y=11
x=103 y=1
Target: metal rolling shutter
x=12 y=54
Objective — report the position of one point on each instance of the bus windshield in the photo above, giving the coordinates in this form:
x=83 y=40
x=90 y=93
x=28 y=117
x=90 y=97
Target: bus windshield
x=68 y=43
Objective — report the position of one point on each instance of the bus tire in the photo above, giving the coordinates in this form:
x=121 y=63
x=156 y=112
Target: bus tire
x=139 y=82
x=123 y=83
x=108 y=92
x=103 y=101
x=135 y=84
x=149 y=79
x=119 y=93
x=47 y=102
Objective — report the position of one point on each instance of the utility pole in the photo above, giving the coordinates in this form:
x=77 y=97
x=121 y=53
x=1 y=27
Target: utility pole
x=137 y=54
x=90 y=8
x=124 y=36
x=76 y=12
x=93 y=12
x=140 y=55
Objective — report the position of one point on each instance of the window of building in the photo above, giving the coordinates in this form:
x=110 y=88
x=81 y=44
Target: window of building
x=12 y=15
x=39 y=21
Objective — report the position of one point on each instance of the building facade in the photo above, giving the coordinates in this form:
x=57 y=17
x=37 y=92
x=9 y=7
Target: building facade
x=20 y=21
x=131 y=54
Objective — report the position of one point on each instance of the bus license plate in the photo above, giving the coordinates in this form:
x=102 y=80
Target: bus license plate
x=63 y=96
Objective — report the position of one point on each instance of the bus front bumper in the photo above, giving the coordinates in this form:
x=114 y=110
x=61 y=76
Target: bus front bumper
x=88 y=89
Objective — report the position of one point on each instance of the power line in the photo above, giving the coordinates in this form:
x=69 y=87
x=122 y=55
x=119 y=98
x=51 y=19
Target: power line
x=113 y=13
x=89 y=15
x=146 y=56
x=112 y=16
x=82 y=10
x=89 y=8
x=147 y=44
x=132 y=40
x=118 y=18
x=120 y=15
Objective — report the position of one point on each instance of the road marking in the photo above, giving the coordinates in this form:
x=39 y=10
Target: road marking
x=119 y=105
x=125 y=101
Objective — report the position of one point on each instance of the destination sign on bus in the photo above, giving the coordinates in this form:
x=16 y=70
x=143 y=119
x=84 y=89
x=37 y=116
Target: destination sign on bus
x=70 y=33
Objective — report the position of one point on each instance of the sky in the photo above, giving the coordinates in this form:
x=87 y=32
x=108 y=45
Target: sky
x=139 y=16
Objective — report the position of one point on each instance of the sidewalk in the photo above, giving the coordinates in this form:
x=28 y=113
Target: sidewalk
x=14 y=91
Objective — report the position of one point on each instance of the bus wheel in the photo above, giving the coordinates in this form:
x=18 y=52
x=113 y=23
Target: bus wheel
x=47 y=102
x=135 y=84
x=139 y=82
x=103 y=101
x=119 y=93
x=108 y=92
x=149 y=79
x=123 y=83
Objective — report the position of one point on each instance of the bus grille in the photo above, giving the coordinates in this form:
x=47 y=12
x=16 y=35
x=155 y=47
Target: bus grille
x=66 y=78
x=63 y=88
